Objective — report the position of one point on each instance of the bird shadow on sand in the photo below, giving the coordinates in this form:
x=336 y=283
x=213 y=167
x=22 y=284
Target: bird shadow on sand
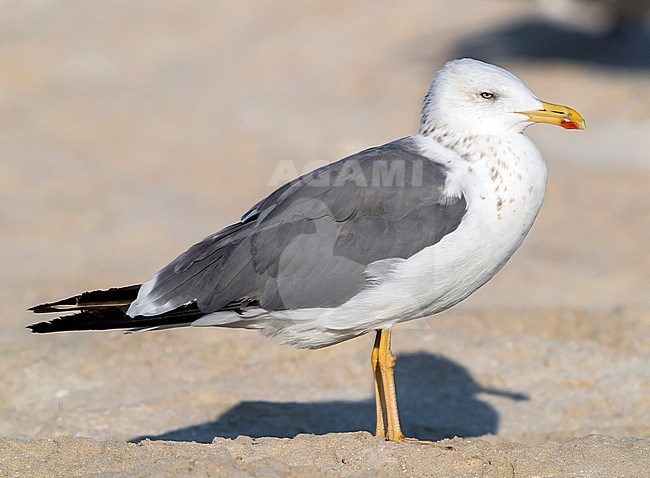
x=627 y=46
x=437 y=399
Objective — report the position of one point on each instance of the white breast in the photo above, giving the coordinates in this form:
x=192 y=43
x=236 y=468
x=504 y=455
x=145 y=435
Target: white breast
x=503 y=184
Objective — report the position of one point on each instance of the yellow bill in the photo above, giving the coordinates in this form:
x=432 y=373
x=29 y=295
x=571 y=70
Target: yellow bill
x=559 y=115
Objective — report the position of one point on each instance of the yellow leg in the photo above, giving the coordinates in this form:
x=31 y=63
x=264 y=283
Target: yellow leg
x=383 y=364
x=379 y=401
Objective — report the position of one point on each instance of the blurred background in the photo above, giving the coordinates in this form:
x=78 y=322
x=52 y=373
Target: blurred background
x=131 y=129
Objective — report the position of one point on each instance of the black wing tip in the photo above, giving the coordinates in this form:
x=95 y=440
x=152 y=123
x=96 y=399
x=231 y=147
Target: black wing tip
x=56 y=306
x=65 y=323
x=100 y=298
x=44 y=327
x=43 y=308
x=47 y=327
x=82 y=321
x=113 y=318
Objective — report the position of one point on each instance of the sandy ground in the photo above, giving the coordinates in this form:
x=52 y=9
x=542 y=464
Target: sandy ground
x=129 y=130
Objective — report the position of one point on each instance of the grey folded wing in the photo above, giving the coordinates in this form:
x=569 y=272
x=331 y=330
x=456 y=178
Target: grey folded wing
x=309 y=244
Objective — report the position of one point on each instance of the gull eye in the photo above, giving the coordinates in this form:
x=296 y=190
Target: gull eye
x=487 y=95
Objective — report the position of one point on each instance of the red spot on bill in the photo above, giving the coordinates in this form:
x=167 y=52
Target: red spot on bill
x=569 y=124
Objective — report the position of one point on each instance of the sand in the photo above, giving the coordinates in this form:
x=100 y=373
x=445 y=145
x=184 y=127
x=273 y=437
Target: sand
x=130 y=130
x=336 y=454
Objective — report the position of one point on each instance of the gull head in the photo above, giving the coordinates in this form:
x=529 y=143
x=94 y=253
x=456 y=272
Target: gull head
x=471 y=97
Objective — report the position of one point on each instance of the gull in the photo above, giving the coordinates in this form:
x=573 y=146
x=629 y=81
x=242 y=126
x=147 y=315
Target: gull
x=390 y=234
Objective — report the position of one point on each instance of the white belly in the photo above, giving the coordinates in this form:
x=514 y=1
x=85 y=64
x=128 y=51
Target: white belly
x=503 y=198
x=503 y=201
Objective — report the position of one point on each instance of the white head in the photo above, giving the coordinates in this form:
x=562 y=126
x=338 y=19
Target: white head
x=469 y=96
